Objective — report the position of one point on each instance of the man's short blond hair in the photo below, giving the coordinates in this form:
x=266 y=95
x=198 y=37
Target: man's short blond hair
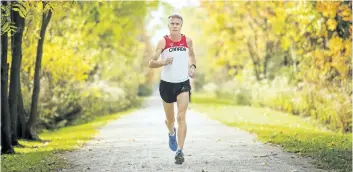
x=176 y=15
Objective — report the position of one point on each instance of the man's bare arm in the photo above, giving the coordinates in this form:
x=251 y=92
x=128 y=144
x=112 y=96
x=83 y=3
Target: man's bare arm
x=154 y=62
x=192 y=58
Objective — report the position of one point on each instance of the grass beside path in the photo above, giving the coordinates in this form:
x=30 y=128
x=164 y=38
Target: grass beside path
x=44 y=156
x=333 y=151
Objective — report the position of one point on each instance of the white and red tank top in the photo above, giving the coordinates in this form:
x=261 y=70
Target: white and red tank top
x=178 y=70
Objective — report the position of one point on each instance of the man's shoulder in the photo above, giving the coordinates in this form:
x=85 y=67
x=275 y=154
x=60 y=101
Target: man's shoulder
x=188 y=39
x=162 y=41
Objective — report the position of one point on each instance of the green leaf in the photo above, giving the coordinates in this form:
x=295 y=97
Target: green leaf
x=5 y=27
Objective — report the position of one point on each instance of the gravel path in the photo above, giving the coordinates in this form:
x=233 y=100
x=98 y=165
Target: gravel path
x=139 y=142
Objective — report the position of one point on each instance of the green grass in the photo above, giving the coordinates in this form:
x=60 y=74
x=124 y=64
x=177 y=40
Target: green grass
x=45 y=155
x=295 y=134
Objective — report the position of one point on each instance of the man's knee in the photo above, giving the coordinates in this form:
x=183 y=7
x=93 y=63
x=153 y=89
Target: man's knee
x=181 y=117
x=170 y=120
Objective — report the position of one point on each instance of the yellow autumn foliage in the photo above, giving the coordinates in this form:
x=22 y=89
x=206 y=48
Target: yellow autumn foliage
x=308 y=43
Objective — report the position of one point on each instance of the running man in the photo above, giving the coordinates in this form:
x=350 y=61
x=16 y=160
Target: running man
x=178 y=64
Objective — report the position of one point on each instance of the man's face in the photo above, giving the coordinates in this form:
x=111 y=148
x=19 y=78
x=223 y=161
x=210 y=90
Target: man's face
x=174 y=25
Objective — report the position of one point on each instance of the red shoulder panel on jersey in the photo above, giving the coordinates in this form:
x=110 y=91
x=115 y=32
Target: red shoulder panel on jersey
x=169 y=43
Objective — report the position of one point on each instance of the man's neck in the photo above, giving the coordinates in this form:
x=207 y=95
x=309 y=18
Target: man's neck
x=175 y=37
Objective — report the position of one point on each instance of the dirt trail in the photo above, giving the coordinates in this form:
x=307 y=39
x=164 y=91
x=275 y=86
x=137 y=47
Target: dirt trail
x=139 y=142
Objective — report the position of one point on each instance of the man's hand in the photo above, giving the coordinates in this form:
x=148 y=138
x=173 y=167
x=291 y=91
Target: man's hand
x=192 y=71
x=154 y=62
x=168 y=61
x=192 y=59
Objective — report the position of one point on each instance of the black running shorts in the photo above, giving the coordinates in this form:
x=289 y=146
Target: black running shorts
x=169 y=91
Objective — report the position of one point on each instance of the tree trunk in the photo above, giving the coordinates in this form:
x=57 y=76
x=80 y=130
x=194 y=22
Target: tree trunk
x=15 y=71
x=30 y=131
x=294 y=57
x=267 y=57
x=21 y=126
x=269 y=52
x=254 y=60
x=269 y=47
x=6 y=146
x=285 y=60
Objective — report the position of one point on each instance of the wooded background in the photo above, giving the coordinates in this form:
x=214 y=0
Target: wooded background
x=290 y=56
x=64 y=63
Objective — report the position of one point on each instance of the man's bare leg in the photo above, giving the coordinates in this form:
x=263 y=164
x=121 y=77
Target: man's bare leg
x=182 y=102
x=169 y=112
